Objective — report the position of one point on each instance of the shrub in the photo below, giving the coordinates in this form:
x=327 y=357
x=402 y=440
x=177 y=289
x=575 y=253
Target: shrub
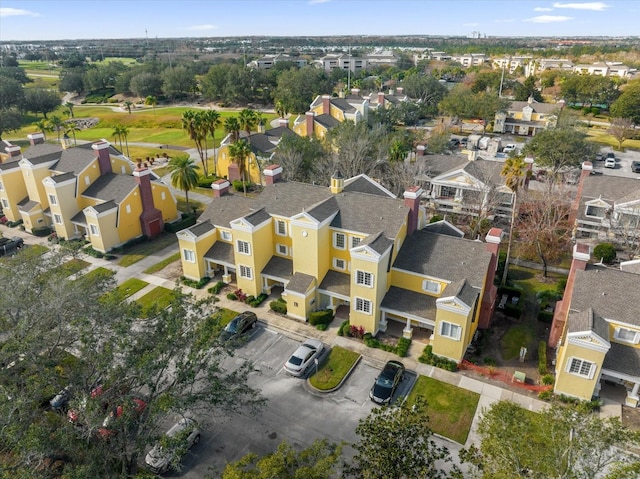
x=187 y=221
x=41 y=231
x=548 y=379
x=489 y=361
x=324 y=316
x=356 y=332
x=606 y=252
x=512 y=310
x=93 y=252
x=322 y=327
x=249 y=299
x=279 y=306
x=255 y=302
x=13 y=224
x=542 y=357
x=232 y=296
x=205 y=181
x=402 y=348
x=240 y=295
x=428 y=357
x=216 y=288
x=239 y=186
x=435 y=218
x=545 y=317
x=545 y=395
x=195 y=284
x=562 y=283
x=343 y=329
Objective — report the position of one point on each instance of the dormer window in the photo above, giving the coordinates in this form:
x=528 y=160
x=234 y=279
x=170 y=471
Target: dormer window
x=627 y=335
x=596 y=211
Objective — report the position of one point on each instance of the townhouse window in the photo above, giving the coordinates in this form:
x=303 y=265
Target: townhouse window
x=580 y=367
x=431 y=286
x=355 y=241
x=128 y=208
x=94 y=230
x=339 y=240
x=53 y=200
x=243 y=247
x=163 y=196
x=339 y=263
x=246 y=272
x=87 y=180
x=627 y=335
x=363 y=305
x=448 y=192
x=595 y=211
x=189 y=255
x=57 y=218
x=1 y=186
x=364 y=278
x=225 y=235
x=451 y=331
x=5 y=204
x=281 y=228
x=282 y=249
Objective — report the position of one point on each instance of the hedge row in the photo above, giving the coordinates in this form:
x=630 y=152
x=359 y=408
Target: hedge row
x=186 y=221
x=216 y=288
x=279 y=306
x=255 y=302
x=324 y=316
x=195 y=284
x=542 y=357
x=428 y=357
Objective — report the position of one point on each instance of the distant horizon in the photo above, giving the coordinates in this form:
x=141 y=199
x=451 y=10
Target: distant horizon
x=68 y=20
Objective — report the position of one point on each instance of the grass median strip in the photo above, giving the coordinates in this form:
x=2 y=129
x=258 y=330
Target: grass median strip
x=72 y=267
x=450 y=408
x=334 y=369
x=140 y=251
x=162 y=264
x=156 y=299
x=130 y=287
x=96 y=274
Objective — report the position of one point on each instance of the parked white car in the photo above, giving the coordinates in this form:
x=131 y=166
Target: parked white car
x=168 y=452
x=303 y=357
x=610 y=163
x=508 y=148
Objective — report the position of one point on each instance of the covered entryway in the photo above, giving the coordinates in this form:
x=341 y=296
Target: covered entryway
x=417 y=312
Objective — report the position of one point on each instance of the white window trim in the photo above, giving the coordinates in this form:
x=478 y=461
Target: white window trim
x=335 y=240
x=284 y=225
x=57 y=218
x=5 y=204
x=451 y=325
x=364 y=278
x=1 y=186
x=337 y=266
x=355 y=241
x=189 y=255
x=242 y=269
x=282 y=249
x=586 y=212
x=128 y=208
x=427 y=282
x=226 y=235
x=244 y=243
x=95 y=231
x=360 y=303
x=53 y=200
x=635 y=340
x=589 y=375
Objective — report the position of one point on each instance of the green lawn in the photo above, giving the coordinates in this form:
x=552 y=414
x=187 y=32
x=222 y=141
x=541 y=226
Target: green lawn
x=162 y=264
x=72 y=267
x=137 y=252
x=450 y=408
x=529 y=280
x=334 y=369
x=96 y=274
x=156 y=299
x=38 y=249
x=520 y=335
x=130 y=287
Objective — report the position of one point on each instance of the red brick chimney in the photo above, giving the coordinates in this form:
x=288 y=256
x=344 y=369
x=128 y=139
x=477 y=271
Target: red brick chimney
x=528 y=171
x=355 y=91
x=381 y=98
x=13 y=151
x=102 y=153
x=400 y=90
x=220 y=188
x=309 y=117
x=492 y=242
x=272 y=174
x=326 y=104
x=412 y=201
x=151 y=217
x=420 y=150
x=283 y=122
x=581 y=256
x=233 y=172
x=36 y=138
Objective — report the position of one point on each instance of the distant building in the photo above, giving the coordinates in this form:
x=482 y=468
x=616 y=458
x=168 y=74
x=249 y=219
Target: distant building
x=268 y=61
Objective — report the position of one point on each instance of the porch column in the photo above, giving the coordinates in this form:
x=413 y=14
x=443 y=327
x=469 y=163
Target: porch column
x=407 y=332
x=383 y=321
x=632 y=398
x=226 y=277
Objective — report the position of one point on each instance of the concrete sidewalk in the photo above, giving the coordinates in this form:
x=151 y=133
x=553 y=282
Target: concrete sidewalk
x=489 y=392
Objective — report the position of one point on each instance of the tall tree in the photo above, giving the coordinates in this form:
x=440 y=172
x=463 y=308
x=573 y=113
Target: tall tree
x=211 y=124
x=297 y=88
x=526 y=90
x=232 y=127
x=43 y=127
x=299 y=156
x=396 y=443
x=184 y=174
x=621 y=129
x=39 y=100
x=248 y=120
x=240 y=151
x=513 y=173
x=628 y=103
x=193 y=124
x=116 y=134
x=318 y=461
x=152 y=101
x=10 y=120
x=56 y=123
x=558 y=443
x=69 y=106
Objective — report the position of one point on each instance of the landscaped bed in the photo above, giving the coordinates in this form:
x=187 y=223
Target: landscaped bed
x=96 y=274
x=338 y=364
x=72 y=267
x=130 y=287
x=450 y=408
x=139 y=251
x=156 y=299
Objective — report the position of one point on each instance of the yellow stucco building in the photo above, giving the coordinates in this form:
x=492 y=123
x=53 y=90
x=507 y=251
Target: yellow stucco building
x=596 y=330
x=352 y=245
x=88 y=191
x=526 y=118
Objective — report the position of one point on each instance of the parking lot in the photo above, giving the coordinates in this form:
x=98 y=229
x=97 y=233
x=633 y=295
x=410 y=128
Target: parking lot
x=293 y=412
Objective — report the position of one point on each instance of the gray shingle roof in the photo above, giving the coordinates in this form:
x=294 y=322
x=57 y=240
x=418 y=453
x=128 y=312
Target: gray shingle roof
x=613 y=294
x=537 y=107
x=34 y=152
x=221 y=252
x=612 y=189
x=74 y=160
x=343 y=105
x=279 y=267
x=377 y=242
x=201 y=228
x=326 y=120
x=443 y=227
x=79 y=219
x=463 y=291
x=290 y=198
x=28 y=205
x=623 y=359
x=10 y=165
x=416 y=304
x=364 y=184
x=258 y=217
x=370 y=214
x=444 y=257
x=106 y=206
x=261 y=143
x=336 y=282
x=588 y=320
x=111 y=187
x=300 y=283
x=324 y=209
x=221 y=211
x=63 y=177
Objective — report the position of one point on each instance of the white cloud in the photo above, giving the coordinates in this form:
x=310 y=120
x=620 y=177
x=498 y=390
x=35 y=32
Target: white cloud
x=202 y=28
x=315 y=2
x=595 y=6
x=17 y=12
x=542 y=9
x=548 y=19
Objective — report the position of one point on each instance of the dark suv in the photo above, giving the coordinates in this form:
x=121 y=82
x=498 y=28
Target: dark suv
x=10 y=246
x=239 y=325
x=635 y=166
x=387 y=382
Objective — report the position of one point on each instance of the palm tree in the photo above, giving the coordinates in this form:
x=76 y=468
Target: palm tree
x=212 y=122
x=232 y=126
x=184 y=174
x=124 y=134
x=513 y=173
x=69 y=110
x=117 y=135
x=72 y=128
x=153 y=101
x=240 y=151
x=56 y=123
x=280 y=109
x=43 y=127
x=248 y=119
x=128 y=104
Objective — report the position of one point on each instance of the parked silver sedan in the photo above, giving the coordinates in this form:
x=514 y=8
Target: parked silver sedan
x=303 y=357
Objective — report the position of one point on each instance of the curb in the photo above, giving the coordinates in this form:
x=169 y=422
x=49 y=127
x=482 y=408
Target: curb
x=313 y=389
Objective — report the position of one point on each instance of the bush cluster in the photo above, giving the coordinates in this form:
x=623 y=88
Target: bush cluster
x=255 y=302
x=542 y=357
x=605 y=252
x=278 y=306
x=186 y=221
x=344 y=327
x=93 y=252
x=428 y=357
x=401 y=348
x=13 y=224
x=545 y=395
x=548 y=379
x=238 y=185
x=216 y=288
x=41 y=231
x=195 y=284
x=205 y=181
x=324 y=316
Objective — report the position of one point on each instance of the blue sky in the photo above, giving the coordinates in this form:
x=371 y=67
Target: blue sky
x=82 y=19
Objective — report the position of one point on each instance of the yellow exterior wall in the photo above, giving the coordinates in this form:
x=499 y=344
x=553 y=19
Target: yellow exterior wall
x=34 y=219
x=129 y=226
x=167 y=205
x=198 y=270
x=67 y=208
x=571 y=384
x=337 y=113
x=301 y=128
x=87 y=177
x=447 y=347
x=375 y=294
x=118 y=164
x=299 y=306
x=108 y=233
x=33 y=181
x=261 y=244
x=281 y=239
x=612 y=329
x=224 y=160
x=14 y=190
x=311 y=249
x=413 y=282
